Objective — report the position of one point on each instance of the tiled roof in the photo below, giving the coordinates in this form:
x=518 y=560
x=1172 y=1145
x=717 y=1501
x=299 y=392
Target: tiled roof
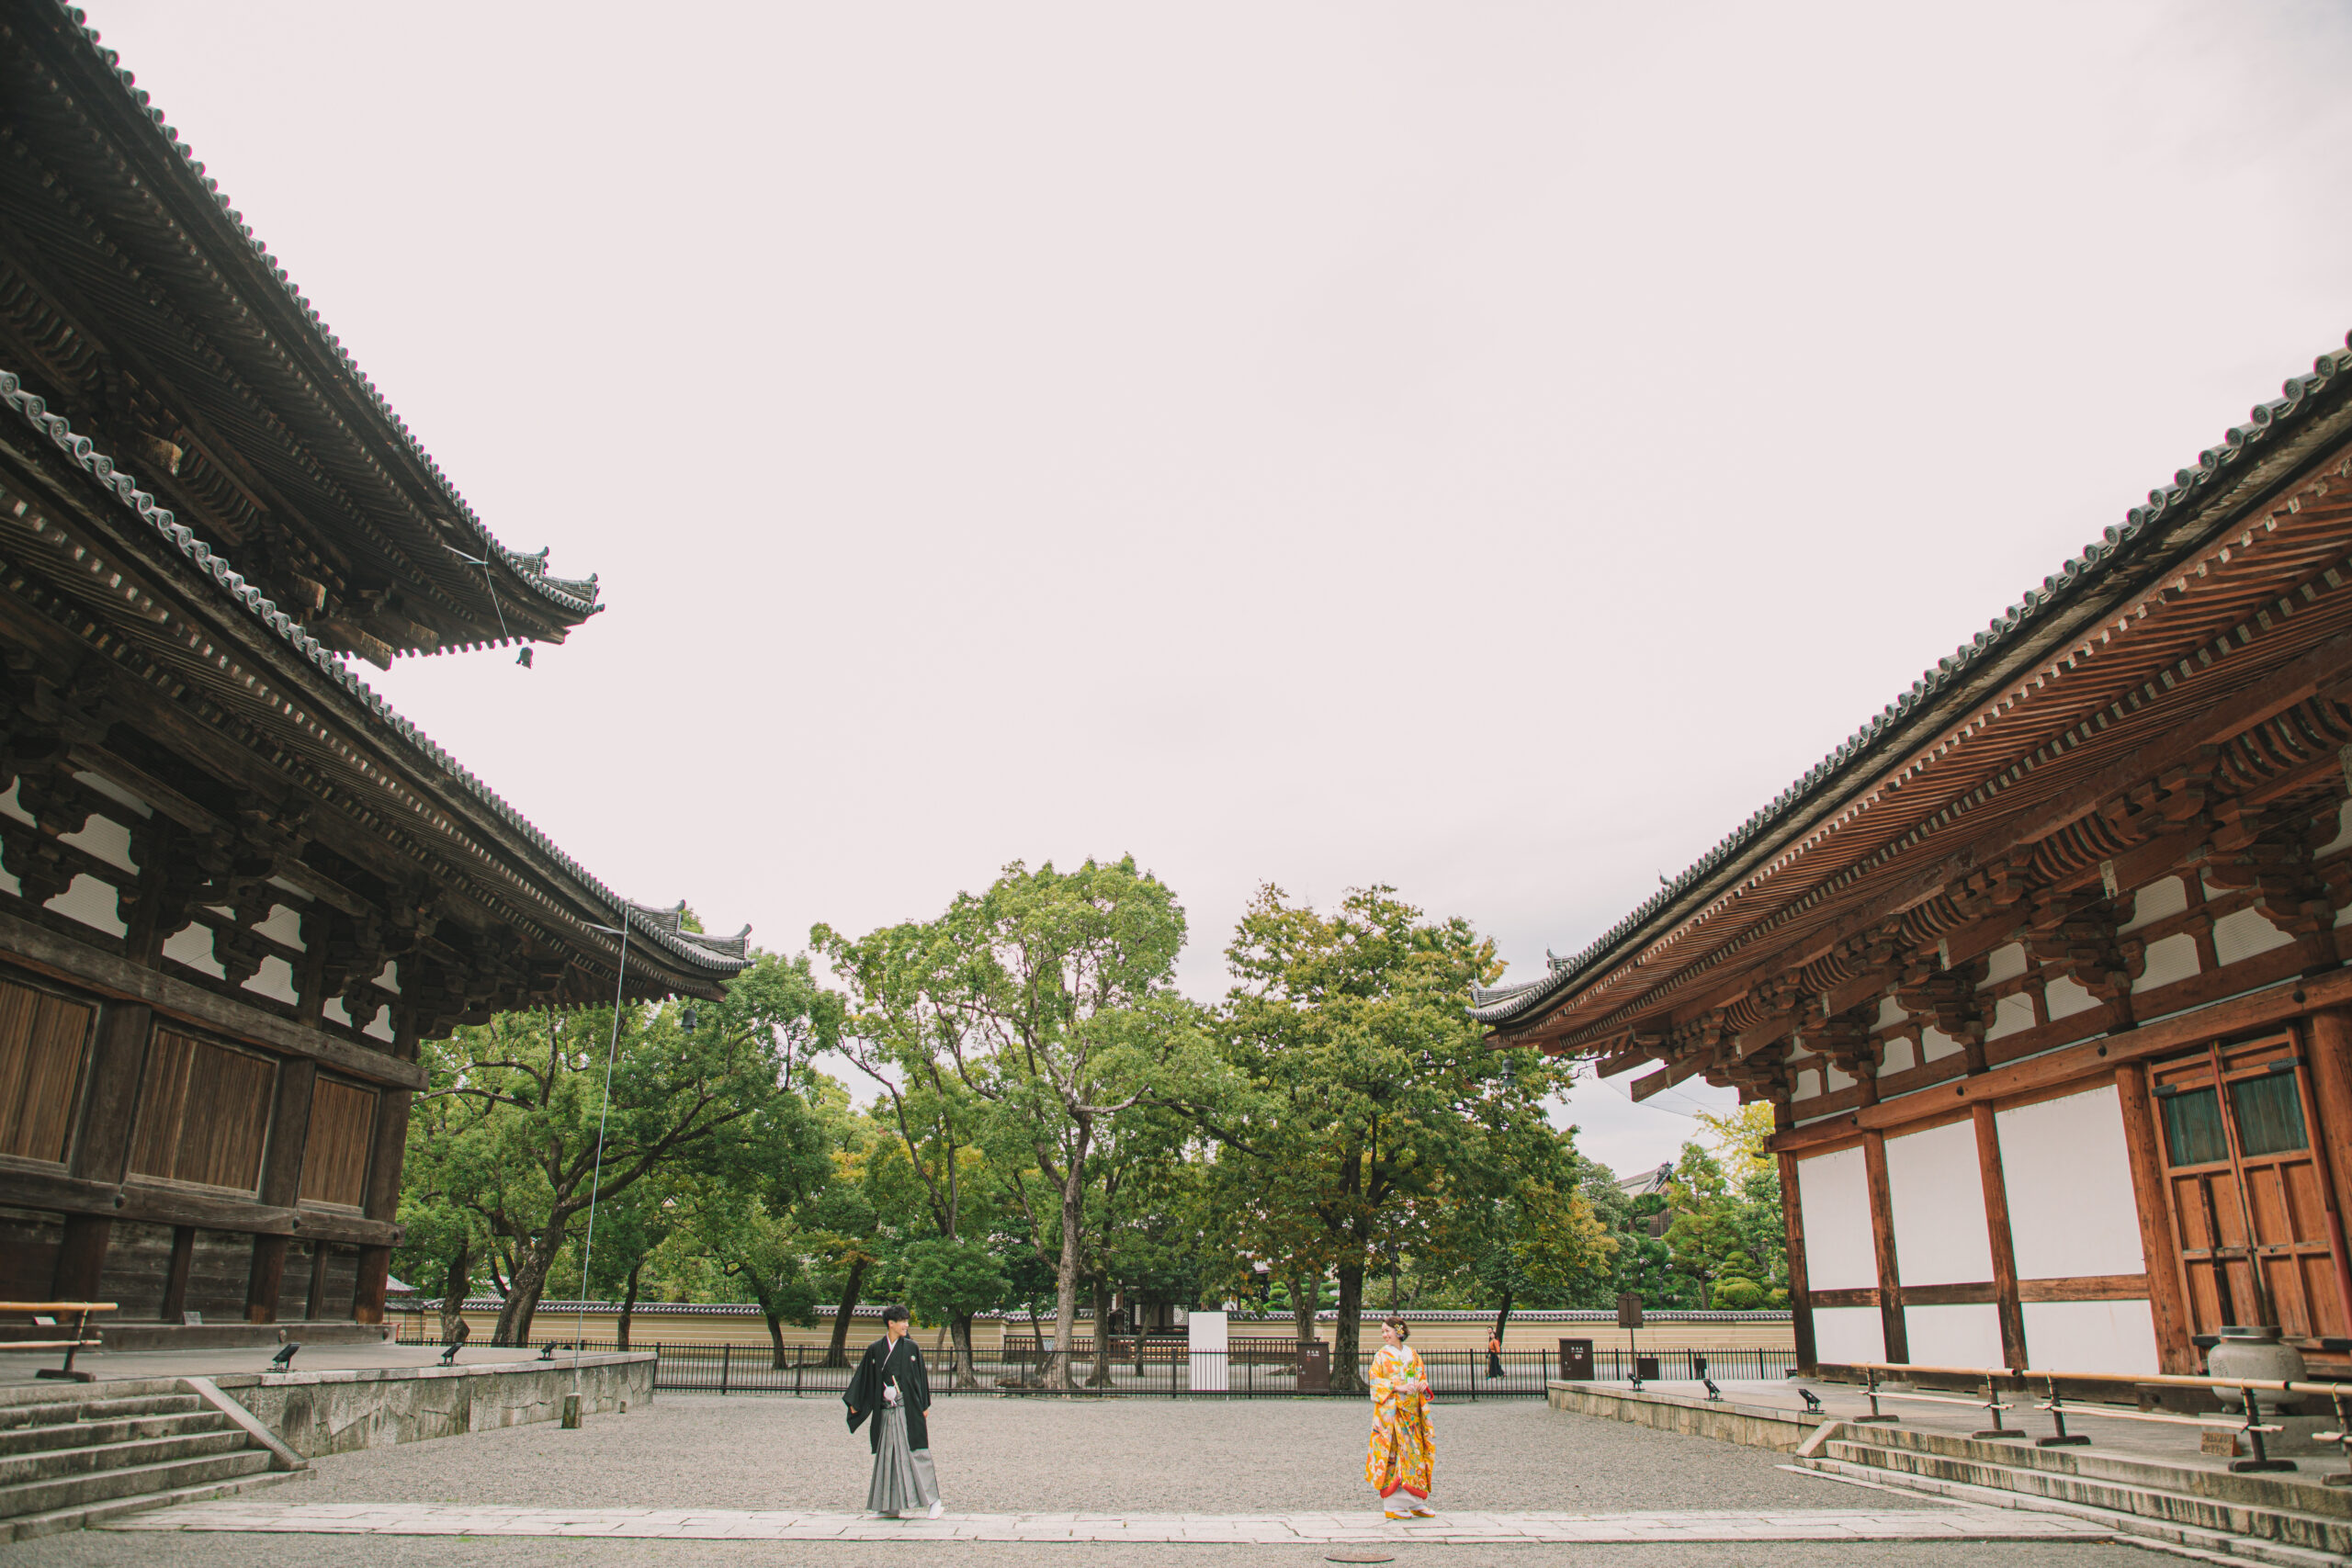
x=2190 y=487
x=717 y=956
x=576 y=597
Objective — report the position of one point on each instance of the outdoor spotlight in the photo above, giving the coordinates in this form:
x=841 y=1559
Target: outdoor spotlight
x=284 y=1359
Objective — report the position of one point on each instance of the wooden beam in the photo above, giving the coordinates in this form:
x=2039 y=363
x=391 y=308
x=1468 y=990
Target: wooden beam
x=1800 y=1298
x=2087 y=1288
x=175 y=1275
x=1866 y=1296
x=62 y=958
x=2273 y=1004
x=2167 y=1295
x=155 y=1203
x=1996 y=1232
x=1890 y=1272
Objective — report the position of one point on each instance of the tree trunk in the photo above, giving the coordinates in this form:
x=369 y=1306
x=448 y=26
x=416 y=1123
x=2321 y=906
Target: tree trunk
x=523 y=1293
x=1305 y=1297
x=776 y=1328
x=837 y=1353
x=967 y=1375
x=1502 y=1318
x=1347 y=1377
x=1066 y=1276
x=453 y=1299
x=1100 y=1376
x=628 y=1301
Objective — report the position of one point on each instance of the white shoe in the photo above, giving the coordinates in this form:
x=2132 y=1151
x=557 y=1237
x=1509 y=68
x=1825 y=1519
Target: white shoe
x=936 y=1510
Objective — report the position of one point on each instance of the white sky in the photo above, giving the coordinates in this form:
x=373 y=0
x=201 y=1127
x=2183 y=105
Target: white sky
x=1487 y=449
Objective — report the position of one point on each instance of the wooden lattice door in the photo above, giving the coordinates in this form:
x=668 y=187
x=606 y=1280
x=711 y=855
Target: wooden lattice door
x=2258 y=1238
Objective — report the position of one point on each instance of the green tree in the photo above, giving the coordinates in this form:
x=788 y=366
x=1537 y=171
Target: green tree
x=517 y=1134
x=1373 y=1104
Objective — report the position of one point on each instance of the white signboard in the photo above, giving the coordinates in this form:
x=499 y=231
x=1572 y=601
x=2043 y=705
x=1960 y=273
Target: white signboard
x=1204 y=1337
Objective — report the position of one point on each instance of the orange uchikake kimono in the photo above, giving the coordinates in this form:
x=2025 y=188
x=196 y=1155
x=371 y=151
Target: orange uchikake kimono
x=1401 y=1452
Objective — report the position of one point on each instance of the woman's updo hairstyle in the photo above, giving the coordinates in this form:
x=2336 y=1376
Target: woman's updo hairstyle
x=1399 y=1325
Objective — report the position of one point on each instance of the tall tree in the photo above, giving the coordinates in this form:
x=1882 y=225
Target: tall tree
x=1372 y=1103
x=526 y=1094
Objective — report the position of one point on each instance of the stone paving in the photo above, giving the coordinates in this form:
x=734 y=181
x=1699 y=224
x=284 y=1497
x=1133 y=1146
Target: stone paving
x=1948 y=1524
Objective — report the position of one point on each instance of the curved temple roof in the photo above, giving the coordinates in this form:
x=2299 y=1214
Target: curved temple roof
x=717 y=956
x=156 y=260
x=1903 y=719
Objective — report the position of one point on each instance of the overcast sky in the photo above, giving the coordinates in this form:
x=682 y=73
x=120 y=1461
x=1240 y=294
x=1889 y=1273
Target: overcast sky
x=1484 y=448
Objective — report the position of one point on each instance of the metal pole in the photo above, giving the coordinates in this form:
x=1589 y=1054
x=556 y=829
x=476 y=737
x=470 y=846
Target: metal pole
x=596 y=1176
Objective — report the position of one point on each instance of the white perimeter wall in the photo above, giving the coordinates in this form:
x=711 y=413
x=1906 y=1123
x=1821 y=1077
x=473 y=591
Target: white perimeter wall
x=1937 y=1190
x=1838 y=1255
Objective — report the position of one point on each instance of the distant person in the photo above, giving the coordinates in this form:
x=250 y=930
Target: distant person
x=892 y=1387
x=1494 y=1355
x=1402 y=1453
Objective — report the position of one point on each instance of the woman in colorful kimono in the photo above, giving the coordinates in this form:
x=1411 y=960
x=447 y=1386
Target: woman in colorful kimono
x=1401 y=1453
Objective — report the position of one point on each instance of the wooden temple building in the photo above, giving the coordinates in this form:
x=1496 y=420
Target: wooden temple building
x=236 y=889
x=2043 y=971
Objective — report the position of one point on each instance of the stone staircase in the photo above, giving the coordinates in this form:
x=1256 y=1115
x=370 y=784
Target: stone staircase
x=2288 y=1519
x=72 y=1454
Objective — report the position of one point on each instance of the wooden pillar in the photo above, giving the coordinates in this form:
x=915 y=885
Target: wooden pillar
x=81 y=1254
x=176 y=1278
x=1800 y=1292
x=1996 y=1230
x=383 y=1191
x=281 y=1183
x=2167 y=1299
x=315 y=1300
x=375 y=1268
x=2331 y=1055
x=1890 y=1274
x=102 y=1144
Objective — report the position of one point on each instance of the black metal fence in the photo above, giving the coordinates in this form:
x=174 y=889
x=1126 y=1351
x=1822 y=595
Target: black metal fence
x=1251 y=1369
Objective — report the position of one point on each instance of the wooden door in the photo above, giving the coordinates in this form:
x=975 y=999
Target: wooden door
x=2251 y=1213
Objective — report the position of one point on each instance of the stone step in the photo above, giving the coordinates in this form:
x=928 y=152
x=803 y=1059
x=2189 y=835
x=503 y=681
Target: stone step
x=2002 y=1470
x=2188 y=1539
x=131 y=1481
x=89 y=1459
x=79 y=1434
x=2299 y=1490
x=53 y=1521
x=56 y=1412
x=69 y=1392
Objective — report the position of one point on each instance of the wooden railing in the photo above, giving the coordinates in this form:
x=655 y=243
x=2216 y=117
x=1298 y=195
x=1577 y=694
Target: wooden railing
x=2249 y=1391
x=44 y=1315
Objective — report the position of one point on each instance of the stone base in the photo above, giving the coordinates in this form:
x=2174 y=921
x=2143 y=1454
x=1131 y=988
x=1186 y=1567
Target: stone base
x=330 y=1412
x=1757 y=1426
x=130 y=1337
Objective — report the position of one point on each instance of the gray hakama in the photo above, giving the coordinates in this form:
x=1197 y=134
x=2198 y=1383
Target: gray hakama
x=904 y=1480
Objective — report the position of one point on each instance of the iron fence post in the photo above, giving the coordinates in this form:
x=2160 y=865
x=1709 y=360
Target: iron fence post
x=726 y=1355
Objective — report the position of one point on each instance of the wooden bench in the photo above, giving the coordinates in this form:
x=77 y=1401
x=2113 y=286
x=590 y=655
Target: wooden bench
x=44 y=1315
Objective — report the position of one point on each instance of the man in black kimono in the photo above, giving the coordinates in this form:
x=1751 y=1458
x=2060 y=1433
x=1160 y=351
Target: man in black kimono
x=891 y=1386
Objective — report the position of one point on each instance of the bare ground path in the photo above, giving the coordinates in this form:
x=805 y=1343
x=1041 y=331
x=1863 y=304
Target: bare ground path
x=1009 y=1456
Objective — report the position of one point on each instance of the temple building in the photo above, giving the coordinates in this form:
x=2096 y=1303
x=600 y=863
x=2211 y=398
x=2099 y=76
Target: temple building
x=236 y=889
x=2042 y=972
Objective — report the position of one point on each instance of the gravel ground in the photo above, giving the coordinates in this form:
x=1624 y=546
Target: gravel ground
x=1014 y=1455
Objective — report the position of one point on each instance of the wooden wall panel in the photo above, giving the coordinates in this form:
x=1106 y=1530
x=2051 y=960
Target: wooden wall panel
x=44 y=1039
x=204 y=1113
x=294 y=1283
x=218 y=1265
x=342 y=1133
x=137 y=1269
x=29 y=1243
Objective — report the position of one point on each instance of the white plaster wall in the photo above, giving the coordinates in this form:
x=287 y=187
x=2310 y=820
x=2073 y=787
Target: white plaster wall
x=2011 y=1015
x=90 y=901
x=2066 y=996
x=2091 y=1337
x=1837 y=1077
x=2068 y=1176
x=2157 y=901
x=1936 y=1044
x=1835 y=1190
x=284 y=925
x=1938 y=1197
x=2245 y=933
x=2004 y=963
x=105 y=838
x=391 y=979
x=1848 y=1335
x=381 y=1026
x=274 y=979
x=335 y=1012
x=1965 y=1336
x=8 y=805
x=192 y=945
x=2173 y=958
x=1900 y=1057
x=1890 y=1012
x=1808 y=1084
x=2343 y=831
